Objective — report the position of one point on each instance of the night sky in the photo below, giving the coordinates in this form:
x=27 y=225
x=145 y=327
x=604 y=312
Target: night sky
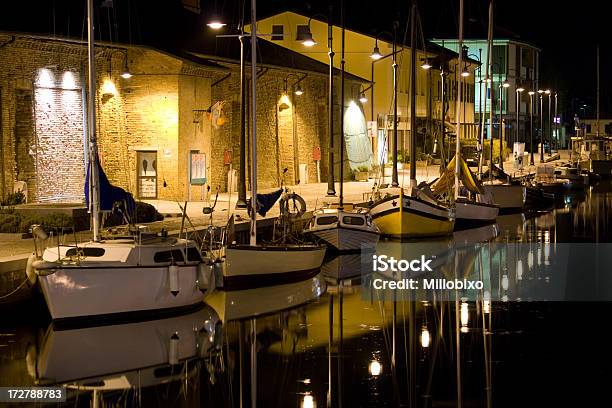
x=567 y=36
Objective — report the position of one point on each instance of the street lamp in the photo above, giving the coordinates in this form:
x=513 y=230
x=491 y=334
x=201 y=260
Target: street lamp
x=426 y=65
x=306 y=37
x=550 y=138
x=519 y=90
x=377 y=56
x=502 y=86
x=531 y=93
x=465 y=72
x=298 y=90
x=541 y=93
x=215 y=23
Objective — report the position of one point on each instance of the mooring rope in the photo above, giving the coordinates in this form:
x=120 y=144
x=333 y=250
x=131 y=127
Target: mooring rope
x=15 y=290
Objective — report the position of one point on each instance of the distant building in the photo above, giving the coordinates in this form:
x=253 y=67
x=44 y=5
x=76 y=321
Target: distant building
x=590 y=128
x=287 y=29
x=514 y=61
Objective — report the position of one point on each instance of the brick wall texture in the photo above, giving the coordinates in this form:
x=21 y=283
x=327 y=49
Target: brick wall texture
x=161 y=108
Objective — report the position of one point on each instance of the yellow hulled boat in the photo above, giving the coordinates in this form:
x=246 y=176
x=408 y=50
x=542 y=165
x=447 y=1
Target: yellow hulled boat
x=414 y=215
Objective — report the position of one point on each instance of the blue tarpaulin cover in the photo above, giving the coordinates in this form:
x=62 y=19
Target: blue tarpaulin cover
x=110 y=194
x=266 y=201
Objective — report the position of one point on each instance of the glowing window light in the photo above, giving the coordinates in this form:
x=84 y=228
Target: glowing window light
x=375 y=368
x=45 y=78
x=69 y=80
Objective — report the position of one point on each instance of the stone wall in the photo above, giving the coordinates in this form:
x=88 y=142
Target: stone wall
x=169 y=109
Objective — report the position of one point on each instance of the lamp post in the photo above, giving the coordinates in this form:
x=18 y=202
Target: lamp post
x=541 y=93
x=308 y=40
x=556 y=125
x=550 y=139
x=531 y=161
x=502 y=86
x=216 y=24
x=519 y=90
x=377 y=56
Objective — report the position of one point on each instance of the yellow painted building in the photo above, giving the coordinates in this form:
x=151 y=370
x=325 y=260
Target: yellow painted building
x=288 y=28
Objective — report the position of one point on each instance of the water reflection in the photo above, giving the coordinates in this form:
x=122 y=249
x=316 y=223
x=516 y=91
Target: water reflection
x=327 y=342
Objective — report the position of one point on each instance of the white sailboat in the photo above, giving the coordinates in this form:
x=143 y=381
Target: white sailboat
x=475 y=209
x=136 y=274
x=256 y=265
x=344 y=229
x=342 y=226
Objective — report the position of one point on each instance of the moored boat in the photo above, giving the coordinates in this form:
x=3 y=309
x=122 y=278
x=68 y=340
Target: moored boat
x=344 y=230
x=413 y=215
x=120 y=277
x=509 y=197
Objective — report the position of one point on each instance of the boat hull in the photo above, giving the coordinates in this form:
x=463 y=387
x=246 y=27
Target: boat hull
x=257 y=266
x=508 y=197
x=111 y=292
x=413 y=219
x=345 y=239
x=470 y=214
x=602 y=167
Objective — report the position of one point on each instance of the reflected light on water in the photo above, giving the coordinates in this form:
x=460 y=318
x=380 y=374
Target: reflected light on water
x=486 y=302
x=375 y=368
x=530 y=259
x=504 y=282
x=465 y=316
x=519 y=269
x=308 y=401
x=425 y=338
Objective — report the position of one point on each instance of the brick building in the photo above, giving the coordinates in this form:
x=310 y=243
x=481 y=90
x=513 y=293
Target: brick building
x=168 y=131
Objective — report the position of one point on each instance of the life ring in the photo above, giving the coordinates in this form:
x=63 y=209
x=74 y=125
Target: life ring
x=293 y=206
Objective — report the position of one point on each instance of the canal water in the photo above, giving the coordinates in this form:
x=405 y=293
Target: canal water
x=535 y=335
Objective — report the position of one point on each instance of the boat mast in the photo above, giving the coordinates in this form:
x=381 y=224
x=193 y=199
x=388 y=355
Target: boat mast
x=483 y=115
x=253 y=238
x=458 y=110
x=94 y=185
x=413 y=181
x=331 y=187
x=597 y=120
x=490 y=67
x=342 y=108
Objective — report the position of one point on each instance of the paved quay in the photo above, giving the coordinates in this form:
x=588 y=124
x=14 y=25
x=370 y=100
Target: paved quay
x=14 y=250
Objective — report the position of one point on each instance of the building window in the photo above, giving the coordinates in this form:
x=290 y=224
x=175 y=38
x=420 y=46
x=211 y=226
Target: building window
x=278 y=32
x=608 y=129
x=499 y=59
x=301 y=31
x=588 y=128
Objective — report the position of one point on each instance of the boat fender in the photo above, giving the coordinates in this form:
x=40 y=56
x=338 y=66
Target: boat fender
x=30 y=272
x=44 y=268
x=205 y=271
x=218 y=269
x=173 y=276
x=173 y=349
